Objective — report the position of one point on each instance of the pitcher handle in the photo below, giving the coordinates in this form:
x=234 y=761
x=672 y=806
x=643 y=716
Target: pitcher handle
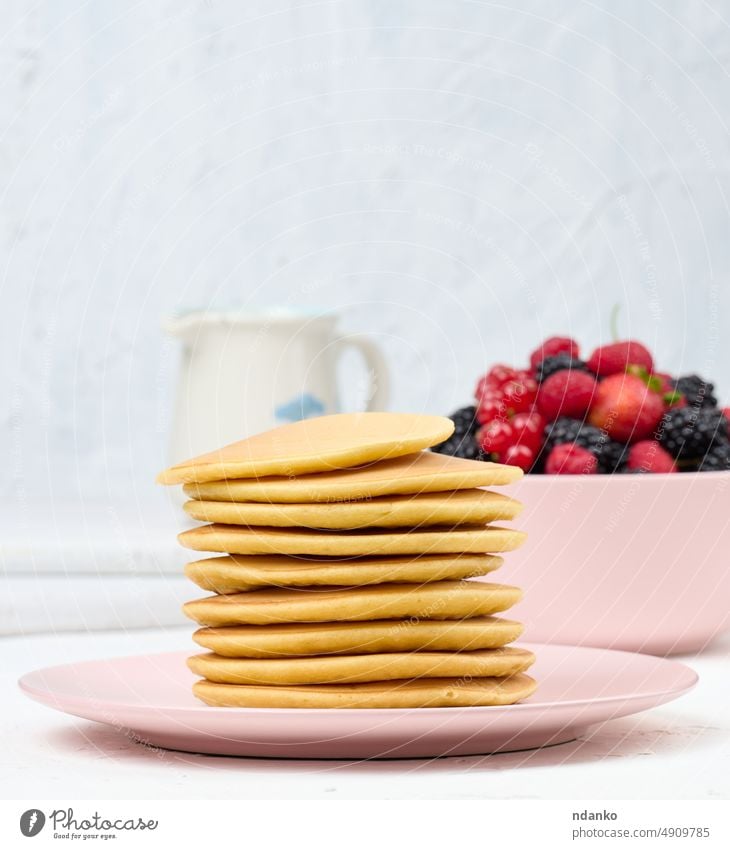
x=378 y=372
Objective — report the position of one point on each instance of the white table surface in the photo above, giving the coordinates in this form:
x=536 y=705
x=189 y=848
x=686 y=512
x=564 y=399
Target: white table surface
x=680 y=750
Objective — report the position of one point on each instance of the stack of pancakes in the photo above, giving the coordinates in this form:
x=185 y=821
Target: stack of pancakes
x=346 y=581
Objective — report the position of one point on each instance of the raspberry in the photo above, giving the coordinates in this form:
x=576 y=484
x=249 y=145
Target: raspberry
x=494 y=380
x=570 y=459
x=626 y=408
x=495 y=437
x=566 y=393
x=519 y=455
x=520 y=392
x=529 y=429
x=554 y=345
x=618 y=356
x=649 y=456
x=491 y=406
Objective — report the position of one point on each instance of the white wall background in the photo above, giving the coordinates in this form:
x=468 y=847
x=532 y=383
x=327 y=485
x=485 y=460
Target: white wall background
x=461 y=178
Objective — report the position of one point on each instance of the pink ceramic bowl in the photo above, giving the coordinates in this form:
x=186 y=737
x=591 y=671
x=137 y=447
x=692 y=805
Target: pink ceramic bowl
x=637 y=562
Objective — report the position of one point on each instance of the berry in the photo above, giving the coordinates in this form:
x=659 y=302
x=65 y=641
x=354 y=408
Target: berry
x=464 y=446
x=491 y=406
x=689 y=433
x=464 y=420
x=666 y=381
x=518 y=455
x=618 y=356
x=554 y=345
x=558 y=362
x=520 y=392
x=528 y=430
x=611 y=455
x=717 y=459
x=571 y=459
x=493 y=381
x=726 y=412
x=649 y=456
x=483 y=386
x=498 y=375
x=461 y=443
x=495 y=437
x=566 y=393
x=697 y=391
x=626 y=408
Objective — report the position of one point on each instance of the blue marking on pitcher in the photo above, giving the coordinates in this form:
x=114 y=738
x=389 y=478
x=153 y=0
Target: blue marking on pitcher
x=303 y=406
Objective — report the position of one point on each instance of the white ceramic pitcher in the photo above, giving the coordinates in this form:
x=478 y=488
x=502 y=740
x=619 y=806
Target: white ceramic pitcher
x=244 y=373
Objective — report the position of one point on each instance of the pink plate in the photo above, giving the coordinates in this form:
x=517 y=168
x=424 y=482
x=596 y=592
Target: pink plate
x=150 y=696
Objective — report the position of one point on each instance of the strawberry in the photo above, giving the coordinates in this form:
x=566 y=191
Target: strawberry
x=552 y=346
x=649 y=456
x=566 y=393
x=664 y=383
x=618 y=356
x=626 y=408
x=518 y=455
x=571 y=459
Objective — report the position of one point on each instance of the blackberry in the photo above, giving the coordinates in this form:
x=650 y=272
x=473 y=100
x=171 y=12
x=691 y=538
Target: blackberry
x=689 y=433
x=464 y=446
x=611 y=455
x=558 y=362
x=696 y=390
x=465 y=420
x=717 y=458
x=462 y=443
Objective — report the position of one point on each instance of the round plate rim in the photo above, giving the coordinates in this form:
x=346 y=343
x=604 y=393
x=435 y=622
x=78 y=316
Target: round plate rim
x=42 y=696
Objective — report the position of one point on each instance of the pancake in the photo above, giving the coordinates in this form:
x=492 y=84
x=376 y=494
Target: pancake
x=382 y=635
x=412 y=474
x=232 y=539
x=315 y=445
x=470 y=506
x=425 y=692
x=356 y=669
x=437 y=600
x=239 y=572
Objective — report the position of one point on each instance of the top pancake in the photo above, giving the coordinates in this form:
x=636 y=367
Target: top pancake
x=315 y=445
x=411 y=474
